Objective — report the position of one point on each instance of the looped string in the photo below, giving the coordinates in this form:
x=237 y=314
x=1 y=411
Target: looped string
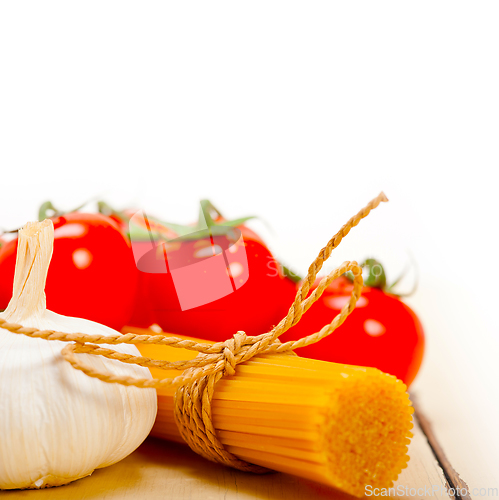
x=196 y=384
x=232 y=346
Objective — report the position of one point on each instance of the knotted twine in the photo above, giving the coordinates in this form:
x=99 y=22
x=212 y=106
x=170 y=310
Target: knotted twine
x=196 y=384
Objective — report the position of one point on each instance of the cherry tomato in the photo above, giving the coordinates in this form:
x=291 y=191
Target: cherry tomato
x=92 y=274
x=208 y=284
x=212 y=289
x=202 y=284
x=381 y=332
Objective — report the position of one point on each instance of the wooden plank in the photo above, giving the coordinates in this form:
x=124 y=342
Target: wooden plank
x=454 y=481
x=160 y=469
x=423 y=477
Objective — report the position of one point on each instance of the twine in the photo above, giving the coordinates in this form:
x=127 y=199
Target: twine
x=196 y=385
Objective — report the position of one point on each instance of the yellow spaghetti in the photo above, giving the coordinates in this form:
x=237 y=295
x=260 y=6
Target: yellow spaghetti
x=344 y=426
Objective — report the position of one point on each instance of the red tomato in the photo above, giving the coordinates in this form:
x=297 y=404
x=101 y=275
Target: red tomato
x=92 y=274
x=243 y=289
x=381 y=332
x=212 y=287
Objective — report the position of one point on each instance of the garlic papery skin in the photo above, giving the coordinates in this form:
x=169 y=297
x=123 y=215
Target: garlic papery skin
x=57 y=424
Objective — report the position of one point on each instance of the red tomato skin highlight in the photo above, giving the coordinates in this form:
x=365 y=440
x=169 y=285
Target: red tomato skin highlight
x=382 y=331
x=92 y=274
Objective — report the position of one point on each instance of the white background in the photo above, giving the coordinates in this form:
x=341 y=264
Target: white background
x=299 y=113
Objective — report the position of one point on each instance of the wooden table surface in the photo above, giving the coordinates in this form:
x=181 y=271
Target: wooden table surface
x=164 y=470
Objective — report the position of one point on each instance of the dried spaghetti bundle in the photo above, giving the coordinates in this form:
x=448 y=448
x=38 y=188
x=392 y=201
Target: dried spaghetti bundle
x=344 y=426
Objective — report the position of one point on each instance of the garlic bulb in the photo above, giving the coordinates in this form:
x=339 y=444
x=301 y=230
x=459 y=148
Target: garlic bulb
x=56 y=424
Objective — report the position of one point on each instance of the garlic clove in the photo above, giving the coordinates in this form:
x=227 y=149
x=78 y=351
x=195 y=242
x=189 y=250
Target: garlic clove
x=56 y=424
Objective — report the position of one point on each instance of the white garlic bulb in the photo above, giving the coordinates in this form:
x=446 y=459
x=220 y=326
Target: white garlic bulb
x=57 y=424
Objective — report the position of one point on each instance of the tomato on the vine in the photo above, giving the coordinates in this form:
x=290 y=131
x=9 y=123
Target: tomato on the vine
x=211 y=280
x=382 y=331
x=92 y=274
